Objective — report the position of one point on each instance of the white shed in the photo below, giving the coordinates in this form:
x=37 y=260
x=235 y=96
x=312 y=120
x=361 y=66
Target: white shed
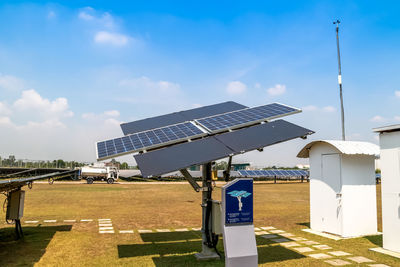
x=342 y=187
x=389 y=139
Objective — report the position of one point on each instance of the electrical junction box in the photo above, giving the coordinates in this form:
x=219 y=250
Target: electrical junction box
x=216 y=217
x=15 y=206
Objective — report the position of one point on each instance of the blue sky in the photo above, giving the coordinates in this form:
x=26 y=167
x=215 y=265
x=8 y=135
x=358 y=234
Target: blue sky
x=71 y=71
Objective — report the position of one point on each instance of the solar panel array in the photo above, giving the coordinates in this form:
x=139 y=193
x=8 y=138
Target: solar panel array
x=179 y=132
x=273 y=173
x=148 y=139
x=236 y=119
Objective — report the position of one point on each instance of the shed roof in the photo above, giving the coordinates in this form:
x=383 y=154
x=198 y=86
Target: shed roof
x=389 y=128
x=345 y=147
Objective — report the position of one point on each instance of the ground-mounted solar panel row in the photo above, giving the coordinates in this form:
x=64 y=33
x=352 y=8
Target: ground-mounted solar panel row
x=273 y=173
x=148 y=139
x=236 y=119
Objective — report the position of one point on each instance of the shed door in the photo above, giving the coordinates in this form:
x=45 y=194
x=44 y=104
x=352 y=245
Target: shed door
x=331 y=176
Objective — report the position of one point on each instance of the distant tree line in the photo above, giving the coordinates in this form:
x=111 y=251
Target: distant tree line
x=11 y=161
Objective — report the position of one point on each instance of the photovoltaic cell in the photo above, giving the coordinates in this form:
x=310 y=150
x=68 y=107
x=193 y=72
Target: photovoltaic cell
x=147 y=139
x=240 y=118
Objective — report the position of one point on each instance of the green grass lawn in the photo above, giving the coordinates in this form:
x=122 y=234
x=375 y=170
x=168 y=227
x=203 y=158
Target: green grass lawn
x=142 y=206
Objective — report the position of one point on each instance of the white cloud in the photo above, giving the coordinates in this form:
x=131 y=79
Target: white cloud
x=144 y=83
x=278 y=89
x=10 y=82
x=116 y=39
x=33 y=101
x=196 y=105
x=112 y=113
x=86 y=13
x=5 y=121
x=397 y=94
x=397 y=118
x=329 y=109
x=236 y=88
x=378 y=118
x=310 y=108
x=257 y=85
x=4 y=109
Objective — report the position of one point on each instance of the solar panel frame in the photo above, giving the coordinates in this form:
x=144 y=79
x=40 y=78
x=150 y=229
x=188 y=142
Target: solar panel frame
x=273 y=173
x=147 y=140
x=250 y=113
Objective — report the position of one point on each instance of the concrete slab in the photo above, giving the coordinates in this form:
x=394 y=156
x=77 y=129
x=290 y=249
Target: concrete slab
x=163 y=230
x=290 y=244
x=276 y=231
x=337 y=262
x=309 y=242
x=105 y=224
x=386 y=252
x=126 y=231
x=196 y=229
x=360 y=259
x=339 y=253
x=69 y=221
x=106 y=232
x=287 y=235
x=50 y=221
x=378 y=265
x=31 y=221
x=145 y=231
x=322 y=247
x=106 y=228
x=261 y=233
x=320 y=256
x=269 y=236
x=182 y=230
x=298 y=238
x=303 y=249
x=268 y=228
x=257 y=229
x=86 y=220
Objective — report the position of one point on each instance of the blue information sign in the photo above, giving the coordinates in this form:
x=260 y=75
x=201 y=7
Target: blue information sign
x=238 y=197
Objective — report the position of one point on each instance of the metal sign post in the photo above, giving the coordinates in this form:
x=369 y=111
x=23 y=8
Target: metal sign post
x=237 y=220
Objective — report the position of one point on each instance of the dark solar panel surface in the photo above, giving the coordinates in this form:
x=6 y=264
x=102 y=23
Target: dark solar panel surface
x=147 y=139
x=273 y=173
x=239 y=118
x=178 y=117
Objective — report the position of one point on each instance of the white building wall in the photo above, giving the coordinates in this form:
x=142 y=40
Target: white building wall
x=390 y=166
x=358 y=195
x=318 y=188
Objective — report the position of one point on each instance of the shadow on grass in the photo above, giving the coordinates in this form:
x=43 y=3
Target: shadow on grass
x=169 y=245
x=28 y=250
x=375 y=239
x=306 y=224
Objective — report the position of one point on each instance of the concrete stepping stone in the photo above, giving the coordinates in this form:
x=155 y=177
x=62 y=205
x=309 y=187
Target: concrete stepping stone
x=144 y=231
x=126 y=231
x=320 y=256
x=106 y=228
x=290 y=244
x=181 y=230
x=339 y=253
x=69 y=221
x=31 y=221
x=105 y=224
x=104 y=219
x=337 y=262
x=106 y=232
x=280 y=240
x=322 y=247
x=261 y=233
x=50 y=221
x=163 y=230
x=268 y=228
x=269 y=236
x=196 y=229
x=378 y=265
x=277 y=231
x=310 y=242
x=257 y=229
x=303 y=249
x=360 y=259
x=86 y=220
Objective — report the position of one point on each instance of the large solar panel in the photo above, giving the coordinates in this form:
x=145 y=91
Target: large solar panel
x=179 y=117
x=273 y=173
x=147 y=140
x=244 y=117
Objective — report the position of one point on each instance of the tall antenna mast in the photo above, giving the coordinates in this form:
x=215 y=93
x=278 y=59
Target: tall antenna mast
x=337 y=22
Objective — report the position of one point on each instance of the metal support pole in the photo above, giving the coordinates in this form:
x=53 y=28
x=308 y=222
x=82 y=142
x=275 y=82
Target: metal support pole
x=206 y=252
x=340 y=79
